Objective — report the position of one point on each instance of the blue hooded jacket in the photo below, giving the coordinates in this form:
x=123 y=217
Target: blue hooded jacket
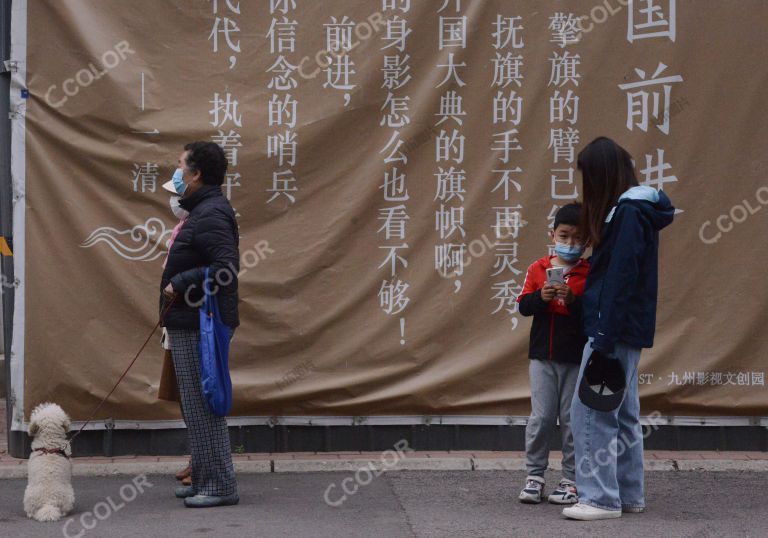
x=619 y=302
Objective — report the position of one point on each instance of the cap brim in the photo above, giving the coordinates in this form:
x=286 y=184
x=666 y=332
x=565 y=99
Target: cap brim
x=602 y=371
x=168 y=185
x=599 y=402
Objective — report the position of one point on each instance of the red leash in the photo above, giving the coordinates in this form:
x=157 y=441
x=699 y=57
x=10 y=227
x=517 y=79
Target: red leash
x=159 y=322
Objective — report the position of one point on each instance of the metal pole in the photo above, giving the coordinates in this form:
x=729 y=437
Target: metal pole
x=6 y=205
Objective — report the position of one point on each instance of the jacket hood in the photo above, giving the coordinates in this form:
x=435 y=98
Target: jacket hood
x=655 y=205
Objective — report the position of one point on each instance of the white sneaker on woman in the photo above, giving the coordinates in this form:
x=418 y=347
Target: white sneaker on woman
x=585 y=512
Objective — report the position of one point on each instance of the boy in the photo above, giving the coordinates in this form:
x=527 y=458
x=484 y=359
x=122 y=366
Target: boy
x=556 y=344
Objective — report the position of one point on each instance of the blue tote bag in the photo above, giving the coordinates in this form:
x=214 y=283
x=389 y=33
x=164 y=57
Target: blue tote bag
x=214 y=354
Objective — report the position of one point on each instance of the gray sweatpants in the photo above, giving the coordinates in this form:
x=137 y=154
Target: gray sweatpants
x=552 y=387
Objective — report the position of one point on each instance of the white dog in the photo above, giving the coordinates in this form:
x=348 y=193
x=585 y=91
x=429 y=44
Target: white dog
x=49 y=495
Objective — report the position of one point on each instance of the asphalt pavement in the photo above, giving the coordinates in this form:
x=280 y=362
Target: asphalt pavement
x=394 y=504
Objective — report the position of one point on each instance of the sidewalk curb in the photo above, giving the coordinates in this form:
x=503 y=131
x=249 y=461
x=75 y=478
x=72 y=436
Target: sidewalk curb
x=723 y=465
x=19 y=470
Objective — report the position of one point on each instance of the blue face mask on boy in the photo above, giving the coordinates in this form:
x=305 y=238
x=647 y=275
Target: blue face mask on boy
x=178 y=181
x=569 y=253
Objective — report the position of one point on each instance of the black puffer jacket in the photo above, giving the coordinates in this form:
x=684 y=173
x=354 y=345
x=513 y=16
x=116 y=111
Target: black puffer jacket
x=209 y=238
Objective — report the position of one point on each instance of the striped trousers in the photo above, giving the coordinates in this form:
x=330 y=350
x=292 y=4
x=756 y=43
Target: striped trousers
x=212 y=470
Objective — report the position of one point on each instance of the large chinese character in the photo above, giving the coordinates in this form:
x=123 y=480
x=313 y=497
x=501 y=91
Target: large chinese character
x=449 y=259
x=283 y=185
x=648 y=19
x=508 y=221
x=392 y=5
x=506 y=180
x=506 y=70
x=395 y=72
x=453 y=32
x=505 y=33
x=392 y=298
x=556 y=181
x=451 y=108
x=397 y=115
x=393 y=258
x=449 y=220
x=506 y=294
x=507 y=108
x=283 y=146
x=283 y=78
x=643 y=104
x=229 y=142
x=338 y=35
x=228 y=27
x=283 y=111
x=397 y=32
x=283 y=6
x=564 y=69
x=282 y=36
x=563 y=142
x=506 y=258
x=338 y=73
x=230 y=180
x=392 y=149
x=653 y=173
x=395 y=219
x=452 y=71
x=450 y=184
x=506 y=143
x=394 y=187
x=450 y=147
x=564 y=28
x=224 y=110
x=144 y=177
x=564 y=107
x=446 y=3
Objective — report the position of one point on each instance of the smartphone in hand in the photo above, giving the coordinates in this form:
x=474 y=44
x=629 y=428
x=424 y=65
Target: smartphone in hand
x=555 y=275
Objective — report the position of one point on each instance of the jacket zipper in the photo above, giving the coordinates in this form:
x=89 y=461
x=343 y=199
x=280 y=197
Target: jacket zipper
x=551 y=333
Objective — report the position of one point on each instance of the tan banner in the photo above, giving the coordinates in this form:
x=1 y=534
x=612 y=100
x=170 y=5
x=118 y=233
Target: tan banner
x=395 y=166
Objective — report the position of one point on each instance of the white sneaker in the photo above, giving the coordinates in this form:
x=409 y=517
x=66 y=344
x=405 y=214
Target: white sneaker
x=532 y=492
x=585 y=512
x=565 y=493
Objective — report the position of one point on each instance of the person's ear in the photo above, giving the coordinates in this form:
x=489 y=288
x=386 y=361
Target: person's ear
x=552 y=234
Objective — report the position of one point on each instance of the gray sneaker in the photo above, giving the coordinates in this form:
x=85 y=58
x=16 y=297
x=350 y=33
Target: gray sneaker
x=532 y=492
x=565 y=493
x=207 y=501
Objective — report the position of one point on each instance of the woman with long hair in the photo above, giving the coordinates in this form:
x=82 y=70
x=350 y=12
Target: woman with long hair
x=621 y=221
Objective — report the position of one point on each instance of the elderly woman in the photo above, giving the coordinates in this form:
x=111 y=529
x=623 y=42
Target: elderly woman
x=208 y=238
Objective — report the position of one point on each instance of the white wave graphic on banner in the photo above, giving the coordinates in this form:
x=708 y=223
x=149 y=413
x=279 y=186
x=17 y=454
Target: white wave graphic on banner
x=144 y=242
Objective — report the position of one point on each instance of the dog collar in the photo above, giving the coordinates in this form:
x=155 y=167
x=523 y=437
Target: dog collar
x=59 y=451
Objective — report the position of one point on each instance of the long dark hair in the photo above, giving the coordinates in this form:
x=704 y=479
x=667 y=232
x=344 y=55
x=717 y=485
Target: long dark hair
x=606 y=172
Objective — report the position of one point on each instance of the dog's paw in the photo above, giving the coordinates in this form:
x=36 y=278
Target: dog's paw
x=48 y=512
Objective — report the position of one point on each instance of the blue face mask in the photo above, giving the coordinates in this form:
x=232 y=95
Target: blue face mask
x=178 y=181
x=569 y=253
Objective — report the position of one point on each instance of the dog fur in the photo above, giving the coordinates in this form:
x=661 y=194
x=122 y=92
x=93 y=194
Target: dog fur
x=49 y=495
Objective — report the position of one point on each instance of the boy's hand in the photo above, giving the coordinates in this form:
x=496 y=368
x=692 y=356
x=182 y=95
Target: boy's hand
x=565 y=293
x=548 y=293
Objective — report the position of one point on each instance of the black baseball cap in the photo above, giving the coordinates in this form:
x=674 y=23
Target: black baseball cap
x=603 y=383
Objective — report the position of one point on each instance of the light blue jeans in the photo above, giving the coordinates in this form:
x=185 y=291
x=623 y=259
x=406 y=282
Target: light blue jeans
x=609 y=445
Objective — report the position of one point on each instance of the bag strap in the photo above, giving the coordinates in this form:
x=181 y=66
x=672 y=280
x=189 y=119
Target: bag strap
x=207 y=291
x=210 y=305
